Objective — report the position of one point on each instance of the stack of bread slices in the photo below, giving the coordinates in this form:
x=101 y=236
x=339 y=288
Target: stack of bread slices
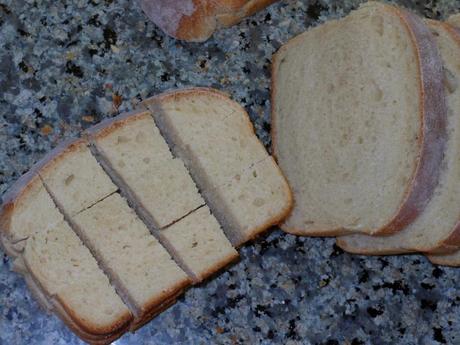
x=366 y=119
x=109 y=229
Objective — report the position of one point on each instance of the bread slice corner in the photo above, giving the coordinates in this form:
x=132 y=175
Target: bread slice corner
x=232 y=148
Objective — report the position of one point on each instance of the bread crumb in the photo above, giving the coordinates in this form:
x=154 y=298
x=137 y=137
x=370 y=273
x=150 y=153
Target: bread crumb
x=46 y=129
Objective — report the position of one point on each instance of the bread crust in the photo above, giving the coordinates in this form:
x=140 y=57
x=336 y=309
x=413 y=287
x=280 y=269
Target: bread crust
x=222 y=96
x=452 y=242
x=109 y=125
x=52 y=304
x=13 y=197
x=441 y=260
x=218 y=266
x=196 y=20
x=433 y=135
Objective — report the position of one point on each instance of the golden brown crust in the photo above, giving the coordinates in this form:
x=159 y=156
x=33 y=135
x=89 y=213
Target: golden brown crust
x=60 y=153
x=50 y=303
x=218 y=267
x=149 y=308
x=196 y=20
x=434 y=121
x=191 y=92
x=110 y=125
x=13 y=197
x=433 y=134
x=444 y=260
x=155 y=309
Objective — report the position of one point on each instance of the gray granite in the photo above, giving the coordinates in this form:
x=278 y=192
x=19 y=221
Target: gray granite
x=62 y=63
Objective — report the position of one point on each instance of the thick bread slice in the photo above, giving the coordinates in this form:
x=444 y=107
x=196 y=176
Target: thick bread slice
x=27 y=210
x=138 y=159
x=68 y=273
x=437 y=229
x=452 y=259
x=26 y=206
x=196 y=20
x=75 y=179
x=230 y=149
x=200 y=241
x=134 y=153
x=140 y=268
x=454 y=20
x=358 y=122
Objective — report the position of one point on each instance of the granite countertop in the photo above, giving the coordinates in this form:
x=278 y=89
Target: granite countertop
x=65 y=65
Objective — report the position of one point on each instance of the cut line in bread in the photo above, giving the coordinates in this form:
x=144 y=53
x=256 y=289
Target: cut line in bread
x=361 y=142
x=69 y=274
x=132 y=151
x=230 y=149
x=28 y=215
x=133 y=258
x=443 y=211
x=88 y=212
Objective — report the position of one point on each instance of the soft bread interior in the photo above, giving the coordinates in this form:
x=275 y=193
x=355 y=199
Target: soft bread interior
x=347 y=122
x=135 y=151
x=138 y=159
x=231 y=149
x=200 y=241
x=130 y=254
x=66 y=269
x=439 y=219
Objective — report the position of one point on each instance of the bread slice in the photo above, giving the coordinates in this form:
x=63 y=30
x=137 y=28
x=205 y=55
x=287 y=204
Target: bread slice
x=134 y=153
x=130 y=254
x=451 y=259
x=65 y=269
x=26 y=208
x=443 y=211
x=34 y=233
x=74 y=178
x=200 y=241
x=229 y=150
x=196 y=20
x=454 y=19
x=358 y=118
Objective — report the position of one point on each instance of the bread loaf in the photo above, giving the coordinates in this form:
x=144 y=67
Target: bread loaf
x=196 y=20
x=359 y=122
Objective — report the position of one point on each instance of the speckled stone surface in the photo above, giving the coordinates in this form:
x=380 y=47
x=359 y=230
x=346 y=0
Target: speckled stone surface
x=65 y=65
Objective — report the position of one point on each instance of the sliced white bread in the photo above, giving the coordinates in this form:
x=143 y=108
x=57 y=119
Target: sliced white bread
x=74 y=178
x=34 y=233
x=67 y=272
x=437 y=229
x=134 y=153
x=359 y=122
x=199 y=240
x=132 y=257
x=214 y=137
x=136 y=156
